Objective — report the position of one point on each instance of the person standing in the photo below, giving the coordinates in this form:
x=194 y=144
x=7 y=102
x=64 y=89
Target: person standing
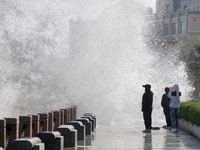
x=147 y=101
x=165 y=102
x=174 y=96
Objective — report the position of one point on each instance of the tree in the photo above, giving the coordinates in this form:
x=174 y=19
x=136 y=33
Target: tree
x=194 y=68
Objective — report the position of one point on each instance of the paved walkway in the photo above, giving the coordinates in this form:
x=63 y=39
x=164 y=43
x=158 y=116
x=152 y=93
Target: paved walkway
x=113 y=137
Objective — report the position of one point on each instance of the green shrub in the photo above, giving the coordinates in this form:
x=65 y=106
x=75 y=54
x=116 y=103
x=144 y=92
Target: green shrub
x=190 y=111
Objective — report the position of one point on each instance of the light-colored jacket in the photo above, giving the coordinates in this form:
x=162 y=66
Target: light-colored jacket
x=174 y=96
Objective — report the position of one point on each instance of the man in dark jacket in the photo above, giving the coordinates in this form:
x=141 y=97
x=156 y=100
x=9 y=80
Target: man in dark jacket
x=147 y=101
x=166 y=109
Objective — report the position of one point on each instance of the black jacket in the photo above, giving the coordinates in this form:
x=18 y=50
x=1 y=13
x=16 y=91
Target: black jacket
x=165 y=101
x=147 y=101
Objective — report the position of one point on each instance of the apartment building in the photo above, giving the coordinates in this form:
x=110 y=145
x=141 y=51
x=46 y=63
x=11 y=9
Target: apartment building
x=178 y=17
x=194 y=5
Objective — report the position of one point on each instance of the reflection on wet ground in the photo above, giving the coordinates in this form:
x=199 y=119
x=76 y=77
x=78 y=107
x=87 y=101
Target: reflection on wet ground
x=116 y=137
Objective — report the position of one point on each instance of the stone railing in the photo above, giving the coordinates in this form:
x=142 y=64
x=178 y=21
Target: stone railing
x=189 y=127
x=46 y=131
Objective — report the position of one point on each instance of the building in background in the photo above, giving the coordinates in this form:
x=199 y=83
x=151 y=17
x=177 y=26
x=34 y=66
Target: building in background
x=176 y=5
x=178 y=17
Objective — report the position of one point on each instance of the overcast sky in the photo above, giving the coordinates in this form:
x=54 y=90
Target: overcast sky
x=97 y=6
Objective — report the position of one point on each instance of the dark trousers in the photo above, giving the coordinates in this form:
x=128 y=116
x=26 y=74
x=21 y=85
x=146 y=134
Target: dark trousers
x=147 y=119
x=167 y=116
x=174 y=117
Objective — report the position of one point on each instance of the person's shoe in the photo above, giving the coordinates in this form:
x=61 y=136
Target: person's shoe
x=168 y=128
x=174 y=130
x=147 y=131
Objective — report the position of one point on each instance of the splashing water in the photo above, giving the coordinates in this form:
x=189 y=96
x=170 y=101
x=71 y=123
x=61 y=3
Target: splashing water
x=50 y=58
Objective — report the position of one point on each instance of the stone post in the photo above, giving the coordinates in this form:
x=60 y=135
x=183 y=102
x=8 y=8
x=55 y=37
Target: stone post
x=69 y=114
x=73 y=112
x=65 y=115
x=51 y=121
x=44 y=124
x=12 y=129
x=3 y=133
x=25 y=126
x=35 y=125
x=56 y=114
x=61 y=117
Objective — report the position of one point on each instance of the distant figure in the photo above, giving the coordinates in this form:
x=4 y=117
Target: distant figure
x=147 y=101
x=165 y=102
x=174 y=96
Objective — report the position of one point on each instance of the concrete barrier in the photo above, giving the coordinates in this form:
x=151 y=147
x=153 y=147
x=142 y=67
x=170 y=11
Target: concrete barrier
x=88 y=125
x=91 y=120
x=182 y=123
x=189 y=127
x=26 y=144
x=196 y=131
x=52 y=140
x=23 y=130
x=78 y=125
x=93 y=116
x=70 y=135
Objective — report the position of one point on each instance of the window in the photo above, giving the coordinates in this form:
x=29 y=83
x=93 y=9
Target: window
x=181 y=30
x=167 y=8
x=185 y=7
x=183 y=27
x=165 y=29
x=176 y=5
x=173 y=28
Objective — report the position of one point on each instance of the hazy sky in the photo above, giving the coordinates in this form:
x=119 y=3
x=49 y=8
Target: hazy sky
x=151 y=3
x=97 y=6
x=86 y=9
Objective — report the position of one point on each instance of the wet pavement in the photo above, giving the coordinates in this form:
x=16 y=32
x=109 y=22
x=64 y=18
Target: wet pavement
x=120 y=137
